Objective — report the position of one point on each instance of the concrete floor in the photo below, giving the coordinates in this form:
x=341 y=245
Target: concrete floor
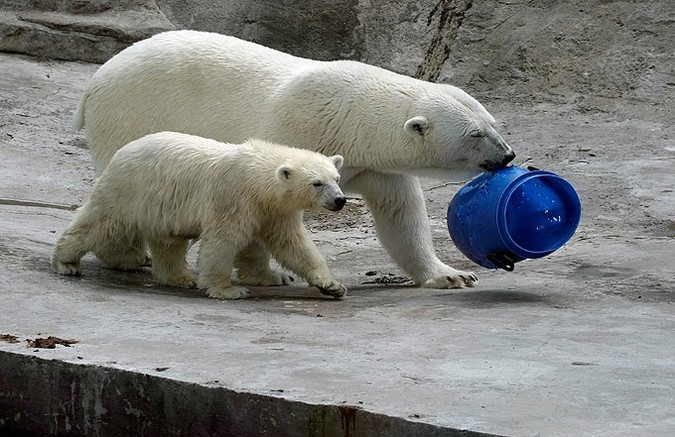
x=578 y=343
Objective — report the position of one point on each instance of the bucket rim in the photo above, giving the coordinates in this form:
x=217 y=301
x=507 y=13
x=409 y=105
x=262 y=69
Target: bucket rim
x=571 y=196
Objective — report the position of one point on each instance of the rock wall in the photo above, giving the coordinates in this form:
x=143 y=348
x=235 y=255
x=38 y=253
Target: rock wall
x=592 y=51
x=94 y=31
x=586 y=49
x=322 y=29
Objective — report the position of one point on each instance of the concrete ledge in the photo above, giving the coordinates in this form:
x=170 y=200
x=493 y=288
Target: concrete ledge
x=59 y=398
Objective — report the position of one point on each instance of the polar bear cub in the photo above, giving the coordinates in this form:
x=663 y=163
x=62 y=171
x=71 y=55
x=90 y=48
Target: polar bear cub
x=243 y=201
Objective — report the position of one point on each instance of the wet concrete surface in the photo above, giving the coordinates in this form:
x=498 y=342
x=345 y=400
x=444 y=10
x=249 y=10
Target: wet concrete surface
x=578 y=343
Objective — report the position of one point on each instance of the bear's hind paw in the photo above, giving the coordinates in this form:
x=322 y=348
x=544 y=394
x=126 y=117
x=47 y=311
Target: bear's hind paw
x=233 y=292
x=186 y=281
x=126 y=261
x=67 y=269
x=269 y=278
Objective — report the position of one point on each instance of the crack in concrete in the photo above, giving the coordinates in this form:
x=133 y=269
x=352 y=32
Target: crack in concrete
x=36 y=203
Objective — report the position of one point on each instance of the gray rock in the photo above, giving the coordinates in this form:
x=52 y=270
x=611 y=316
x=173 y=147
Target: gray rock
x=76 y=30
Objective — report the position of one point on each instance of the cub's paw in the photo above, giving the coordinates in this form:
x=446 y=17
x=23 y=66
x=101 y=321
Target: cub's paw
x=458 y=279
x=267 y=278
x=331 y=287
x=67 y=269
x=234 y=292
x=129 y=261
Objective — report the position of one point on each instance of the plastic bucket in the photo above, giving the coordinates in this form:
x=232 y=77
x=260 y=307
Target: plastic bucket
x=512 y=214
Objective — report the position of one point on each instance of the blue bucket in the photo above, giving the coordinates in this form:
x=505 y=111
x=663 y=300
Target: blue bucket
x=512 y=214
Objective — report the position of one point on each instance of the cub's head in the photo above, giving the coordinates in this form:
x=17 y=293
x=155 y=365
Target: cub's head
x=452 y=132
x=313 y=182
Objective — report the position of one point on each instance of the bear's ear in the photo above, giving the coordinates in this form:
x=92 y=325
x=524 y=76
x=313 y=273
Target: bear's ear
x=284 y=172
x=338 y=160
x=416 y=126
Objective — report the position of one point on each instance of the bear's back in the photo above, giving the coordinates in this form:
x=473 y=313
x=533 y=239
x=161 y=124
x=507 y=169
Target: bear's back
x=175 y=151
x=186 y=53
x=173 y=182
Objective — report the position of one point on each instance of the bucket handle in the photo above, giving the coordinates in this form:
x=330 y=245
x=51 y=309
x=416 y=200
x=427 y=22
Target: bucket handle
x=502 y=261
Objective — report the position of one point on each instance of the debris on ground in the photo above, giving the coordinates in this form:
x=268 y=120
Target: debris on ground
x=49 y=342
x=389 y=278
x=9 y=338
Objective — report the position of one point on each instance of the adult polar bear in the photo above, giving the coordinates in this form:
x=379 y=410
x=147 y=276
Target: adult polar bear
x=388 y=127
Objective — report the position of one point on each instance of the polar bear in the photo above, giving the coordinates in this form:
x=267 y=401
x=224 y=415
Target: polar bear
x=166 y=188
x=390 y=128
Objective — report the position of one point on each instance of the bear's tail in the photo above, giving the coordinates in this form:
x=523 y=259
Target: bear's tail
x=78 y=120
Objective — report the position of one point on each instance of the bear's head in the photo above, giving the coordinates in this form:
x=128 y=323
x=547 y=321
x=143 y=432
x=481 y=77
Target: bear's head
x=312 y=180
x=453 y=134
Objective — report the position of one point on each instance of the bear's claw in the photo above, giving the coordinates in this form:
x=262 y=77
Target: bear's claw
x=457 y=280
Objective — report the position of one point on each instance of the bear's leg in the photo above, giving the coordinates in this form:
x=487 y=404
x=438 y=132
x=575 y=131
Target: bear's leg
x=290 y=244
x=216 y=261
x=253 y=267
x=400 y=214
x=169 y=265
x=69 y=250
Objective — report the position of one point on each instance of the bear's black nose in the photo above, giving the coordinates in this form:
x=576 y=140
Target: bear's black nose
x=338 y=203
x=494 y=165
x=508 y=158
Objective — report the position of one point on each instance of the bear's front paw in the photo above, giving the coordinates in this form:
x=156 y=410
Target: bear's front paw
x=458 y=279
x=67 y=269
x=331 y=287
x=268 y=278
x=233 y=292
x=185 y=281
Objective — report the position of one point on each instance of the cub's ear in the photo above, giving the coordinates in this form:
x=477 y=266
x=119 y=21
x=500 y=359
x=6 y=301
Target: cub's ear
x=284 y=172
x=338 y=160
x=416 y=126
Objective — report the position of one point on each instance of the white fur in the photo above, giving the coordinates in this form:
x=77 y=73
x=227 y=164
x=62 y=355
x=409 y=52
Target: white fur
x=389 y=127
x=166 y=188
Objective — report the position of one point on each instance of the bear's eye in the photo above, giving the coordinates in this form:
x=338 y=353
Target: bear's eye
x=476 y=134
x=317 y=183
